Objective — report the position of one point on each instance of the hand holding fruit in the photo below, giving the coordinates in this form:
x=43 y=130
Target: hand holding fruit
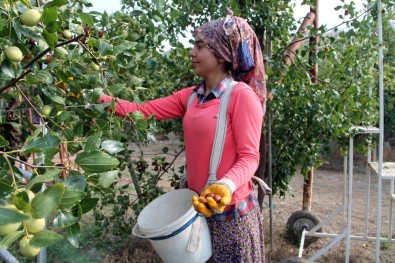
x=214 y=199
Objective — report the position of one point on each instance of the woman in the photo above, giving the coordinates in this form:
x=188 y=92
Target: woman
x=223 y=50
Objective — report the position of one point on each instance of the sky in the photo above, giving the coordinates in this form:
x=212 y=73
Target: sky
x=327 y=15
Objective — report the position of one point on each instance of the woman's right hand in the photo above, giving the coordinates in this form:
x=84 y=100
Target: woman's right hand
x=214 y=199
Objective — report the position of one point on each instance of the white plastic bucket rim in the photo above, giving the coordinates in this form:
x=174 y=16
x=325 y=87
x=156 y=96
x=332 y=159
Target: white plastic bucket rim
x=166 y=233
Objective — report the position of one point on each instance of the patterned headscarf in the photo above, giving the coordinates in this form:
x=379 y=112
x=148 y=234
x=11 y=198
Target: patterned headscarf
x=233 y=40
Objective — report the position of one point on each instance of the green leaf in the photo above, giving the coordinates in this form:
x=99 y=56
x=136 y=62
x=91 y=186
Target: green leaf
x=44 y=76
x=58 y=99
x=7 y=69
x=64 y=219
x=50 y=15
x=95 y=162
x=104 y=19
x=10 y=216
x=3 y=142
x=45 y=238
x=25 y=31
x=88 y=204
x=50 y=38
x=53 y=26
x=116 y=88
x=73 y=234
x=70 y=197
x=55 y=3
x=104 y=48
x=112 y=146
x=3 y=169
x=48 y=176
x=75 y=181
x=26 y=3
x=121 y=48
x=108 y=178
x=5 y=187
x=43 y=144
x=87 y=19
x=8 y=240
x=21 y=201
x=34 y=134
x=93 y=142
x=46 y=202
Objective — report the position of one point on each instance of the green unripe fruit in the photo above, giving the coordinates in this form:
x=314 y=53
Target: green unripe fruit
x=46 y=110
x=157 y=18
x=31 y=17
x=67 y=34
x=26 y=249
x=94 y=66
x=33 y=225
x=13 y=53
x=61 y=52
x=7 y=229
x=79 y=29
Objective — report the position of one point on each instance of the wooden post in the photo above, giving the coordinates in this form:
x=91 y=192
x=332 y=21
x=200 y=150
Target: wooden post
x=308 y=182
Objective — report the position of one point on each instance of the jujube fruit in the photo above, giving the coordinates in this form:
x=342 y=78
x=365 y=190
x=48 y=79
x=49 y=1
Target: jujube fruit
x=26 y=249
x=46 y=110
x=94 y=66
x=13 y=53
x=9 y=228
x=210 y=195
x=34 y=225
x=217 y=198
x=67 y=34
x=31 y=17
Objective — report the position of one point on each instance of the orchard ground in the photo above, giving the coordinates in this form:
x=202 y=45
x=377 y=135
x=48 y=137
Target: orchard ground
x=327 y=196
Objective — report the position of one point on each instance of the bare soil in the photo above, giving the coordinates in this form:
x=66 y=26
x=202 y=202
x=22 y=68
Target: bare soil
x=328 y=189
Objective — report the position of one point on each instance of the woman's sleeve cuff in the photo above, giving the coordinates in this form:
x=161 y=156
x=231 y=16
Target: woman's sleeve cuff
x=229 y=183
x=105 y=99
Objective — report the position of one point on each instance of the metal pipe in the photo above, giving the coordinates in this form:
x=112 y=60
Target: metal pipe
x=302 y=243
x=7 y=256
x=352 y=237
x=367 y=207
x=344 y=191
x=270 y=181
x=381 y=127
x=391 y=209
x=349 y=210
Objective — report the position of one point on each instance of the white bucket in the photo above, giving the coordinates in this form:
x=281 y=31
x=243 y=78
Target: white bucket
x=175 y=229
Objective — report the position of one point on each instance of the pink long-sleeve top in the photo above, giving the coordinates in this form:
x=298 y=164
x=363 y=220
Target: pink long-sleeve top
x=240 y=157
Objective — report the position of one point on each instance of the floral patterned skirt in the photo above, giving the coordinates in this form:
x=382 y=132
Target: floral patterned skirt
x=238 y=241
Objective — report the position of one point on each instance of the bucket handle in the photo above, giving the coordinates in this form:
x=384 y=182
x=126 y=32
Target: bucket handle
x=194 y=236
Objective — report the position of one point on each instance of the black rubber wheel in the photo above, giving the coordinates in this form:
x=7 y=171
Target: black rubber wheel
x=298 y=221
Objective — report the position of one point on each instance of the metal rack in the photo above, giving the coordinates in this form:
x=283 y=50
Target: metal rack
x=383 y=171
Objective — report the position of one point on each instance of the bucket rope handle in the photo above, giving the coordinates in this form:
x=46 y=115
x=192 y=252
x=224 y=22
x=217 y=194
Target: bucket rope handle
x=194 y=236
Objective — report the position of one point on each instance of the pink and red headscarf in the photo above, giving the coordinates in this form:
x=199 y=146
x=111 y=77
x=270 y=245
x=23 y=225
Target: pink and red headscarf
x=233 y=40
